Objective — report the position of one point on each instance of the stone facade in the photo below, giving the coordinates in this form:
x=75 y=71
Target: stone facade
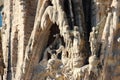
x=50 y=40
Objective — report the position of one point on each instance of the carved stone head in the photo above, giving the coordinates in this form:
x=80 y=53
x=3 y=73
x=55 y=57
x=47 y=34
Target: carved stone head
x=76 y=28
x=54 y=56
x=93 y=29
x=93 y=60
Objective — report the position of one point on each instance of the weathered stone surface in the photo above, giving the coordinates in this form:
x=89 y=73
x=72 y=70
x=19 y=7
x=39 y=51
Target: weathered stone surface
x=50 y=40
x=1 y=2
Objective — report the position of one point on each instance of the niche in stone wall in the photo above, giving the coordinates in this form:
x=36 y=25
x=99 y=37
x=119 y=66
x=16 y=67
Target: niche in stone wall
x=53 y=30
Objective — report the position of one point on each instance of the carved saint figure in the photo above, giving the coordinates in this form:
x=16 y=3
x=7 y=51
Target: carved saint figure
x=93 y=41
x=57 y=42
x=51 y=49
x=76 y=39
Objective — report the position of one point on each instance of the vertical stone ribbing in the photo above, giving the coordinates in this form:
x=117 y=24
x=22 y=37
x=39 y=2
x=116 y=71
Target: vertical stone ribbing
x=20 y=27
x=5 y=35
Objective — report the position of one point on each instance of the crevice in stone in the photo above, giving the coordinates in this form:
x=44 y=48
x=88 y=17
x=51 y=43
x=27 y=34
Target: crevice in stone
x=9 y=67
x=87 y=15
x=67 y=11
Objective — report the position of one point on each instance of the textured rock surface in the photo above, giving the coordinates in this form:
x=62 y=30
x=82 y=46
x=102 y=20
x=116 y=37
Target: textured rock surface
x=1 y=2
x=60 y=39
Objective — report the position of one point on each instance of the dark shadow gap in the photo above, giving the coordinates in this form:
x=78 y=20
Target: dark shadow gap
x=87 y=12
x=53 y=30
x=67 y=11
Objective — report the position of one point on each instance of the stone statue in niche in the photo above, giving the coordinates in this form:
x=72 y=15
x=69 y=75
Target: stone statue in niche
x=51 y=62
x=93 y=40
x=45 y=56
x=51 y=49
x=57 y=41
x=76 y=40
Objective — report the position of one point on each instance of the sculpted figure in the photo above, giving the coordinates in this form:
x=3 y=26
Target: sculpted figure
x=45 y=56
x=52 y=48
x=93 y=41
x=53 y=63
x=54 y=67
x=76 y=39
x=93 y=63
x=57 y=42
x=67 y=39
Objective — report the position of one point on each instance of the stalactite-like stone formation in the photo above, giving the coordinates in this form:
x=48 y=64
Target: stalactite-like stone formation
x=49 y=41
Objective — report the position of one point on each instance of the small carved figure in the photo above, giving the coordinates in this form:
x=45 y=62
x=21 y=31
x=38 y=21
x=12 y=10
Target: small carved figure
x=57 y=42
x=93 y=41
x=48 y=50
x=76 y=39
x=52 y=48
x=45 y=56
x=93 y=63
x=67 y=39
x=65 y=58
x=54 y=67
x=54 y=63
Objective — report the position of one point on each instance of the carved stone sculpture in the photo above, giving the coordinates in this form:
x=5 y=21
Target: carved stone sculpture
x=68 y=39
x=93 y=63
x=52 y=40
x=76 y=39
x=93 y=41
